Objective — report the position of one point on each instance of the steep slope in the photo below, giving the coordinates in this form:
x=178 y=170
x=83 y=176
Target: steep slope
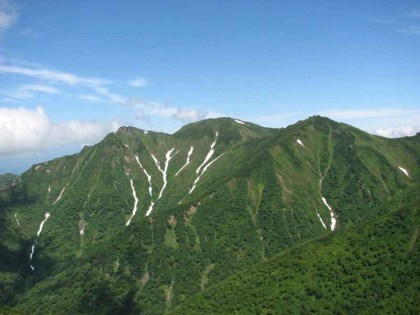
x=369 y=269
x=149 y=219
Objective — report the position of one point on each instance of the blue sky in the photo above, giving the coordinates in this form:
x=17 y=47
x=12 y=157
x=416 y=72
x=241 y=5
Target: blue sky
x=72 y=71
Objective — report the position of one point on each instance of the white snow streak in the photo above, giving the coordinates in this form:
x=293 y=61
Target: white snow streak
x=149 y=178
x=188 y=160
x=204 y=165
x=322 y=221
x=149 y=211
x=136 y=200
x=239 y=122
x=300 y=142
x=127 y=146
x=207 y=166
x=204 y=169
x=163 y=171
x=32 y=252
x=30 y=257
x=404 y=171
x=47 y=215
x=17 y=221
x=49 y=188
x=82 y=231
x=59 y=197
x=332 y=214
x=209 y=155
x=146 y=132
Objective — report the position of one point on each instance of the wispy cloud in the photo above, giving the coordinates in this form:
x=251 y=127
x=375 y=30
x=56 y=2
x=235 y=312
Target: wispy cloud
x=410 y=30
x=8 y=16
x=90 y=98
x=29 y=91
x=415 y=13
x=50 y=75
x=111 y=96
x=138 y=82
x=100 y=91
x=39 y=88
x=29 y=32
x=405 y=24
x=144 y=109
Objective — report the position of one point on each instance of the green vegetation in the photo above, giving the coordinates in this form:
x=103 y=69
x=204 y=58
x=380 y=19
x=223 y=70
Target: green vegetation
x=259 y=200
x=369 y=269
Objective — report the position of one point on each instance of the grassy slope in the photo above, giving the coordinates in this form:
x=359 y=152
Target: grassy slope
x=370 y=269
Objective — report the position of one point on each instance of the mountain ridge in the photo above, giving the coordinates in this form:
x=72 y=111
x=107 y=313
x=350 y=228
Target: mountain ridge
x=183 y=212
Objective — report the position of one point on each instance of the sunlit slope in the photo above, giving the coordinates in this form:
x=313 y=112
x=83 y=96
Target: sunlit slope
x=371 y=268
x=153 y=218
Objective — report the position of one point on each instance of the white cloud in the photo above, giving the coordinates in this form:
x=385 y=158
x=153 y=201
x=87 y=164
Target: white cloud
x=362 y=113
x=39 y=88
x=138 y=82
x=24 y=131
x=56 y=76
x=79 y=132
x=396 y=132
x=8 y=15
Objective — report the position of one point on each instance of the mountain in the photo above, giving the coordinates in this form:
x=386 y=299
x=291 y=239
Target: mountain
x=7 y=179
x=142 y=222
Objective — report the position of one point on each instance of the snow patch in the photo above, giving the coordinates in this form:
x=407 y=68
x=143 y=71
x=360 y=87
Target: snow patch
x=187 y=162
x=61 y=193
x=30 y=257
x=127 y=146
x=404 y=171
x=49 y=188
x=209 y=154
x=149 y=178
x=164 y=170
x=332 y=214
x=32 y=252
x=82 y=230
x=47 y=215
x=300 y=142
x=136 y=200
x=146 y=132
x=203 y=167
x=239 y=122
x=322 y=221
x=149 y=211
x=37 y=167
x=17 y=221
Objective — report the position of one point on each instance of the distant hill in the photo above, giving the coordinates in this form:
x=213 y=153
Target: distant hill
x=7 y=179
x=143 y=222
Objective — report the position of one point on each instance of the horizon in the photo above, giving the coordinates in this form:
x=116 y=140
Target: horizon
x=72 y=72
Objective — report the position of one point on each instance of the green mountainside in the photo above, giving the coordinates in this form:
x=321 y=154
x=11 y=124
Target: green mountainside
x=366 y=269
x=143 y=221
